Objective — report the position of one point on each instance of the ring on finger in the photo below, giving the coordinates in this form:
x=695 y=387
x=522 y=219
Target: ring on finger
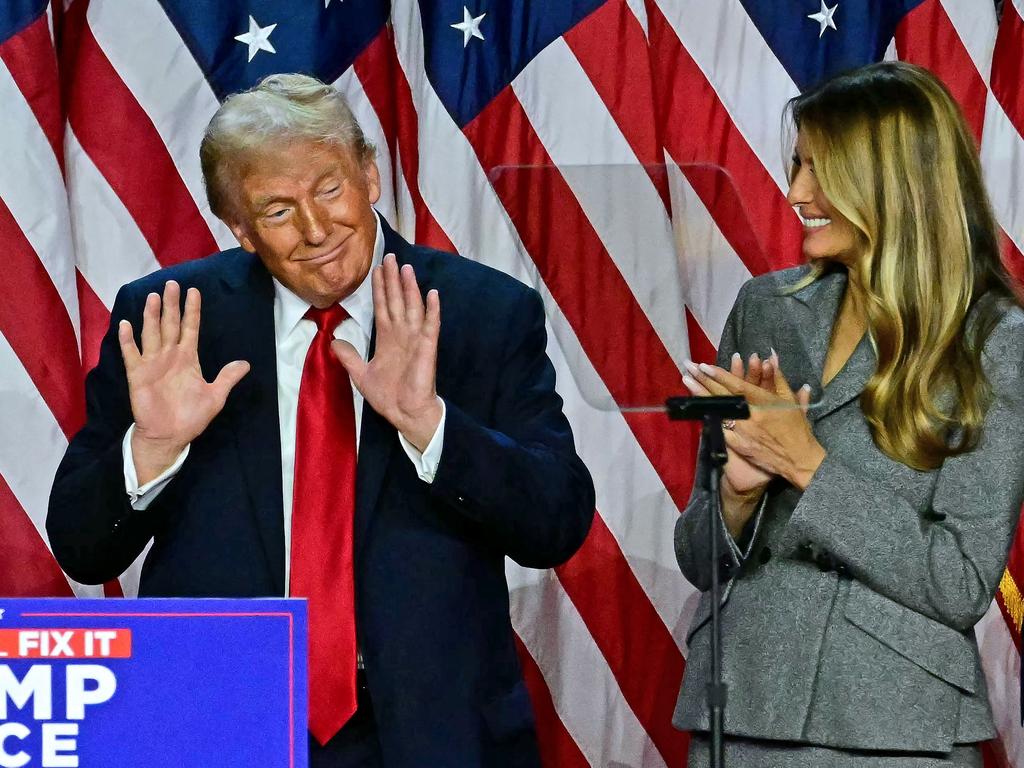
x=728 y=423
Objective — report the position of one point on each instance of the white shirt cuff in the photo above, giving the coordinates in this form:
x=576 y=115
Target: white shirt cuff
x=426 y=463
x=142 y=496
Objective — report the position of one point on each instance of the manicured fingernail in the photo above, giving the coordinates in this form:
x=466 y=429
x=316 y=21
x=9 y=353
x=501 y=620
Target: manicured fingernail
x=806 y=387
x=736 y=356
x=689 y=382
x=691 y=367
x=706 y=369
x=755 y=358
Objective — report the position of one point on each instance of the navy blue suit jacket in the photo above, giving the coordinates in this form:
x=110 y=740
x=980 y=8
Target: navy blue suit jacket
x=432 y=601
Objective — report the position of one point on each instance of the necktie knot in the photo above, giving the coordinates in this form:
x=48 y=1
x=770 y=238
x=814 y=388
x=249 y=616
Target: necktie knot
x=328 y=318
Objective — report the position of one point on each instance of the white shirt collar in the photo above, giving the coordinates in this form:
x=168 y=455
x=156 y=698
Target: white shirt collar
x=289 y=309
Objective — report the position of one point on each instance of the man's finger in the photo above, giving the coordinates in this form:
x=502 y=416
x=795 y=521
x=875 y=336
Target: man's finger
x=393 y=289
x=129 y=352
x=411 y=295
x=190 y=320
x=432 y=320
x=229 y=376
x=151 y=324
x=351 y=359
x=170 y=316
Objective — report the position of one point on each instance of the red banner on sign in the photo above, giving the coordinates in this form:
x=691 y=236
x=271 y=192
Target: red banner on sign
x=65 y=643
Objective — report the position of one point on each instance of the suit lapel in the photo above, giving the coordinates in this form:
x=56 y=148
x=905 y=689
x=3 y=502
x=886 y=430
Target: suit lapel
x=377 y=438
x=377 y=441
x=814 y=311
x=246 y=331
x=849 y=382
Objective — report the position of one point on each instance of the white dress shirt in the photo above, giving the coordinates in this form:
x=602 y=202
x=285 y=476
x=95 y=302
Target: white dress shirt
x=292 y=335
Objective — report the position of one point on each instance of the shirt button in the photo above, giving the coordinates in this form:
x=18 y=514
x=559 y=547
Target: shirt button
x=460 y=499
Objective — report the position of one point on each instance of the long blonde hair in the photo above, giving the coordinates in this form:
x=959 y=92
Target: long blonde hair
x=893 y=154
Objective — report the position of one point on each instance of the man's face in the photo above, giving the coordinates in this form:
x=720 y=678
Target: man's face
x=305 y=209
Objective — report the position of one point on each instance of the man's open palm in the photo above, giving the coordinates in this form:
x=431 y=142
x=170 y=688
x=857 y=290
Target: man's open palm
x=172 y=403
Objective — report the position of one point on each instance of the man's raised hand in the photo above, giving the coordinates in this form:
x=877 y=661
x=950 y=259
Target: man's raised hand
x=172 y=403
x=398 y=382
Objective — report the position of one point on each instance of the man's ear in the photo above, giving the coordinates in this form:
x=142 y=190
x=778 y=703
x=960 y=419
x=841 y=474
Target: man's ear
x=372 y=180
x=242 y=236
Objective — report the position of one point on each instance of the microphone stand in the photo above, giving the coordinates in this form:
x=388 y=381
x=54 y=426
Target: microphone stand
x=711 y=411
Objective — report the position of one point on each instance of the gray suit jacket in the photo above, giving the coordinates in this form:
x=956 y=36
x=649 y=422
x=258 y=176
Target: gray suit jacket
x=848 y=616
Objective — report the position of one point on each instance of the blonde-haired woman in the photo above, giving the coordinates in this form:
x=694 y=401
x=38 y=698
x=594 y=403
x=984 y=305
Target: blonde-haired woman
x=865 y=534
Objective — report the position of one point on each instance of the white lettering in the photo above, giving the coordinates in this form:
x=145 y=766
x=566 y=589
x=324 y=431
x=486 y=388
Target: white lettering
x=58 y=740
x=27 y=640
x=62 y=644
x=17 y=731
x=35 y=686
x=79 y=697
x=105 y=636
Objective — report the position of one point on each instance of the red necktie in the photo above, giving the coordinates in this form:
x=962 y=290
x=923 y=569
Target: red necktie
x=322 y=515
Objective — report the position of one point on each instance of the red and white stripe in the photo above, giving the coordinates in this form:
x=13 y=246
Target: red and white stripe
x=636 y=84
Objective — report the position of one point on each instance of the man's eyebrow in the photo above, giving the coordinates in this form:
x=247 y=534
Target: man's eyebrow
x=263 y=202
x=337 y=173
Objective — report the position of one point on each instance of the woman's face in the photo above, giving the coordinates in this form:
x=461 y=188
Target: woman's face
x=827 y=233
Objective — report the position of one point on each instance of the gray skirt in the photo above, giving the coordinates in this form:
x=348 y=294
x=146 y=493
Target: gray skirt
x=758 y=753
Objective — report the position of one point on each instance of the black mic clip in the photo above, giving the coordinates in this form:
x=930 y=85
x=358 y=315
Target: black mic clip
x=702 y=408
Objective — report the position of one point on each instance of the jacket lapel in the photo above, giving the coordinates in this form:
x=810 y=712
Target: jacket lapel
x=377 y=438
x=377 y=441
x=849 y=382
x=246 y=332
x=814 y=309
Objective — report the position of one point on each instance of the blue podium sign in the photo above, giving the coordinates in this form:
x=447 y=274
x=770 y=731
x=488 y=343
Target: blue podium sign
x=160 y=683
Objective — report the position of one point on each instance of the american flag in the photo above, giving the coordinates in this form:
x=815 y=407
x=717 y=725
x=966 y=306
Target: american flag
x=102 y=106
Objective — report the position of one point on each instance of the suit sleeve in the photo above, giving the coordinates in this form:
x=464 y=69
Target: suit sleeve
x=519 y=478
x=692 y=539
x=944 y=561
x=94 y=533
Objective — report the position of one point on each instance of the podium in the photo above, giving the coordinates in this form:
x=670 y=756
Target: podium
x=161 y=683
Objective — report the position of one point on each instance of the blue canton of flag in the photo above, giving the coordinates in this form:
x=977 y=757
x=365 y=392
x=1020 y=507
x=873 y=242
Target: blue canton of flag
x=317 y=38
x=469 y=70
x=843 y=34
x=15 y=15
